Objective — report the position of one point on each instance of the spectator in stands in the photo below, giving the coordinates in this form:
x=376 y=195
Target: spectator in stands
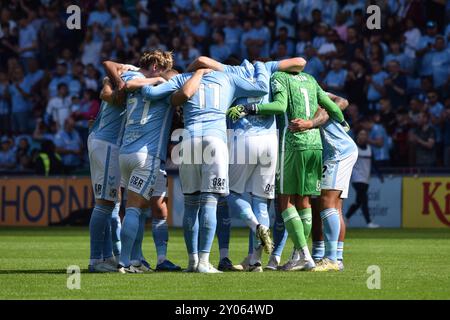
x=233 y=32
x=423 y=139
x=376 y=89
x=5 y=118
x=69 y=146
x=440 y=63
x=426 y=47
x=27 y=40
x=285 y=11
x=335 y=79
x=378 y=140
x=20 y=93
x=7 y=156
x=282 y=38
x=101 y=16
x=219 y=50
x=446 y=126
x=60 y=107
x=47 y=161
x=314 y=66
x=395 y=85
x=355 y=84
x=60 y=76
x=23 y=154
x=436 y=112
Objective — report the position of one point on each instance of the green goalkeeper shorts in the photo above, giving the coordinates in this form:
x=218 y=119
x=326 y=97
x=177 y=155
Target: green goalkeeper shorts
x=300 y=172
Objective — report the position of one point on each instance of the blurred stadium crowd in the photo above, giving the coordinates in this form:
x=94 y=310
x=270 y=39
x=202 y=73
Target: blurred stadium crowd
x=397 y=78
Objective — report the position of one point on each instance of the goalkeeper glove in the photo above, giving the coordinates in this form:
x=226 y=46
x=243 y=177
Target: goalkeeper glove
x=241 y=110
x=345 y=125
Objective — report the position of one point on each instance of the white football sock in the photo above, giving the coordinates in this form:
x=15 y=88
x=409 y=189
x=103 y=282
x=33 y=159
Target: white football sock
x=193 y=257
x=304 y=253
x=204 y=257
x=256 y=256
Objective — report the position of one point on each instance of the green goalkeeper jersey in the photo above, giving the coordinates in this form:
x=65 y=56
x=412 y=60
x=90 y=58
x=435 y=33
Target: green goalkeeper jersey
x=298 y=96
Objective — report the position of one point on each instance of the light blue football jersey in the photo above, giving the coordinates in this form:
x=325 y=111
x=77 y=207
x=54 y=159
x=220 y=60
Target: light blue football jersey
x=253 y=124
x=337 y=144
x=204 y=112
x=109 y=124
x=148 y=123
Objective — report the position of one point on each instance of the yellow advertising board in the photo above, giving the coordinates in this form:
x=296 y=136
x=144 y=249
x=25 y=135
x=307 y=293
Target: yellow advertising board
x=426 y=202
x=38 y=201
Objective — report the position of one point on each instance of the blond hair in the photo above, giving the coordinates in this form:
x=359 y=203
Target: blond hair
x=162 y=59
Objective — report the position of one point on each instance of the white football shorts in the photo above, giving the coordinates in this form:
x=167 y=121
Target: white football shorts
x=204 y=165
x=105 y=171
x=140 y=172
x=253 y=161
x=337 y=173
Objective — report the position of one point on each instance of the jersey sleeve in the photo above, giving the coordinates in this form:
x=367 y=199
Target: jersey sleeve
x=279 y=87
x=325 y=102
x=273 y=66
x=245 y=88
x=163 y=90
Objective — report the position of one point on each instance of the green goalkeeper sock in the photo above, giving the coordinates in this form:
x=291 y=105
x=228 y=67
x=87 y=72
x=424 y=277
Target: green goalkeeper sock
x=294 y=227
x=306 y=216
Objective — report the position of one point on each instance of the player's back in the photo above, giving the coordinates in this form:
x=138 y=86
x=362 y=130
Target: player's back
x=147 y=123
x=337 y=144
x=253 y=124
x=109 y=124
x=204 y=113
x=301 y=103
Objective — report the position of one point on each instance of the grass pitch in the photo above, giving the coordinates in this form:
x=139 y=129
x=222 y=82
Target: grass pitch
x=415 y=264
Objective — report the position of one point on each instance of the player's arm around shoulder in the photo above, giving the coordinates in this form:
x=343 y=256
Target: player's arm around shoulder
x=333 y=110
x=189 y=88
x=113 y=97
x=320 y=118
x=292 y=65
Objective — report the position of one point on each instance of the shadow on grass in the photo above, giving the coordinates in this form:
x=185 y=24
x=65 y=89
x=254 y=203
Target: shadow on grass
x=39 y=271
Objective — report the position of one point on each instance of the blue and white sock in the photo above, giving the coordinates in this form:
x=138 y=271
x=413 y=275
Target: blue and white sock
x=260 y=209
x=223 y=227
x=331 y=228
x=207 y=223
x=279 y=236
x=190 y=223
x=136 y=252
x=241 y=203
x=128 y=233
x=340 y=250
x=160 y=232
x=97 y=225
x=318 y=250
x=115 y=230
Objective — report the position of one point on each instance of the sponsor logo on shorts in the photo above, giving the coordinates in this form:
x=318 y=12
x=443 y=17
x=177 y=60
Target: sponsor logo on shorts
x=269 y=189
x=98 y=189
x=318 y=186
x=136 y=182
x=219 y=184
